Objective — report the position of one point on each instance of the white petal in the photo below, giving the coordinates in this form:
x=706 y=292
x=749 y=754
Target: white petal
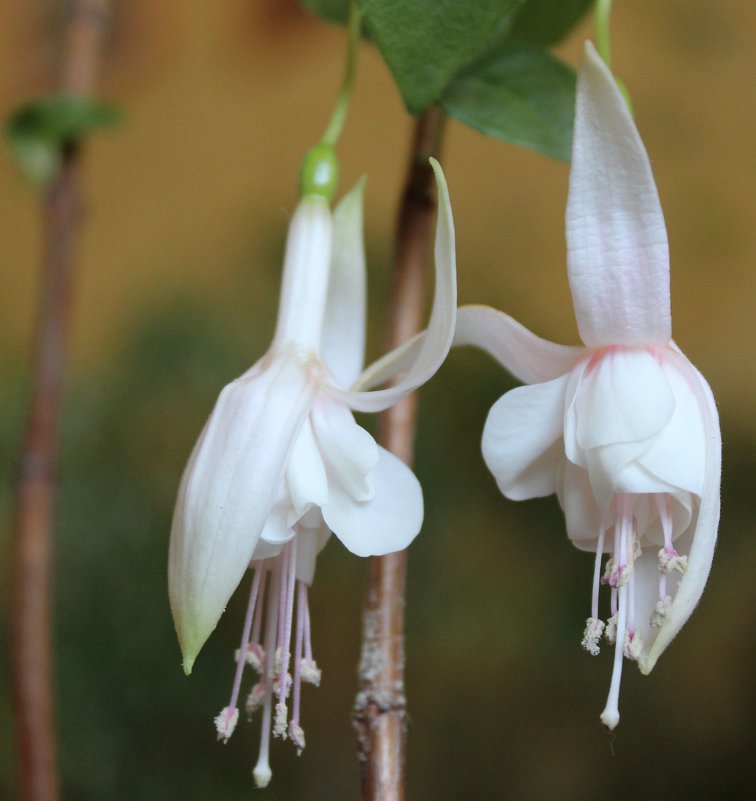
x=305 y=475
x=343 y=344
x=617 y=252
x=266 y=550
x=705 y=535
x=277 y=530
x=304 y=284
x=624 y=396
x=646 y=577
x=678 y=454
x=310 y=542
x=386 y=523
x=438 y=337
x=522 y=439
x=526 y=356
x=350 y=453
x=227 y=492
x=581 y=513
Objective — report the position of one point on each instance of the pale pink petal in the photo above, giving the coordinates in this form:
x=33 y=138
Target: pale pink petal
x=387 y=522
x=617 y=253
x=522 y=439
x=623 y=397
x=526 y=356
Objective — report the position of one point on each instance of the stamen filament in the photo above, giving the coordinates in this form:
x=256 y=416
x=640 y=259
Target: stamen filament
x=597 y=573
x=245 y=639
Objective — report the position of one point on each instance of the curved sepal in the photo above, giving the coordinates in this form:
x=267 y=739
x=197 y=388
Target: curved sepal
x=343 y=343
x=526 y=356
x=705 y=536
x=617 y=251
x=227 y=491
x=438 y=336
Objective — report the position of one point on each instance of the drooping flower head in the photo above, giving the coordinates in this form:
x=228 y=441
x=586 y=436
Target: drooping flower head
x=281 y=462
x=624 y=430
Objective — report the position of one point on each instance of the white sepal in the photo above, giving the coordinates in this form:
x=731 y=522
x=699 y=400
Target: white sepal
x=438 y=336
x=617 y=251
x=227 y=492
x=343 y=344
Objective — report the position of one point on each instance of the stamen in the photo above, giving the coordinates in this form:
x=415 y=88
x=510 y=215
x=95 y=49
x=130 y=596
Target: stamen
x=226 y=721
x=610 y=632
x=298 y=646
x=311 y=673
x=297 y=736
x=245 y=641
x=633 y=646
x=661 y=612
x=594 y=628
x=597 y=573
x=284 y=644
x=255 y=698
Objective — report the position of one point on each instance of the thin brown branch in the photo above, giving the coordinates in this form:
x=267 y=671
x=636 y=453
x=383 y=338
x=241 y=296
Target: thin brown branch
x=380 y=715
x=32 y=552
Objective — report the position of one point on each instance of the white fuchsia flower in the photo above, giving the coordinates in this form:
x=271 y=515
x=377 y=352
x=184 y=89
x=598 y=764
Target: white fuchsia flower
x=281 y=462
x=624 y=430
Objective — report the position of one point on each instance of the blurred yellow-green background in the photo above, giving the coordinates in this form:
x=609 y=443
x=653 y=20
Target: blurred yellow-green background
x=188 y=202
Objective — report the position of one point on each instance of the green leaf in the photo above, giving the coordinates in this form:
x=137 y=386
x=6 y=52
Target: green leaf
x=331 y=10
x=426 y=42
x=39 y=131
x=520 y=94
x=546 y=22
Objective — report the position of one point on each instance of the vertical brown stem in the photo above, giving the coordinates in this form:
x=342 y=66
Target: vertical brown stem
x=32 y=547
x=380 y=715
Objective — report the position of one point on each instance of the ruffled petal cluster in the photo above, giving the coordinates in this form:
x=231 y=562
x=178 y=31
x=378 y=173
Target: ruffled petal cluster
x=624 y=430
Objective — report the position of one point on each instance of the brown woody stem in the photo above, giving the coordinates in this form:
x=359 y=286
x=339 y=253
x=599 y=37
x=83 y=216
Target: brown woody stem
x=380 y=716
x=32 y=546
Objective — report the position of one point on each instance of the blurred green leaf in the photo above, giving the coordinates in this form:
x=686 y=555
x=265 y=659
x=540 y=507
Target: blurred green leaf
x=520 y=94
x=546 y=22
x=426 y=42
x=38 y=131
x=332 y=10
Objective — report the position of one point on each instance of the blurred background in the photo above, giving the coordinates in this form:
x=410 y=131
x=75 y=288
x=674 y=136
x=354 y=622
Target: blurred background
x=188 y=202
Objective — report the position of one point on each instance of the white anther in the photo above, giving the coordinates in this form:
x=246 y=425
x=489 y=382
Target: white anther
x=255 y=698
x=225 y=722
x=279 y=722
x=633 y=646
x=297 y=736
x=661 y=612
x=610 y=631
x=670 y=560
x=310 y=672
x=594 y=628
